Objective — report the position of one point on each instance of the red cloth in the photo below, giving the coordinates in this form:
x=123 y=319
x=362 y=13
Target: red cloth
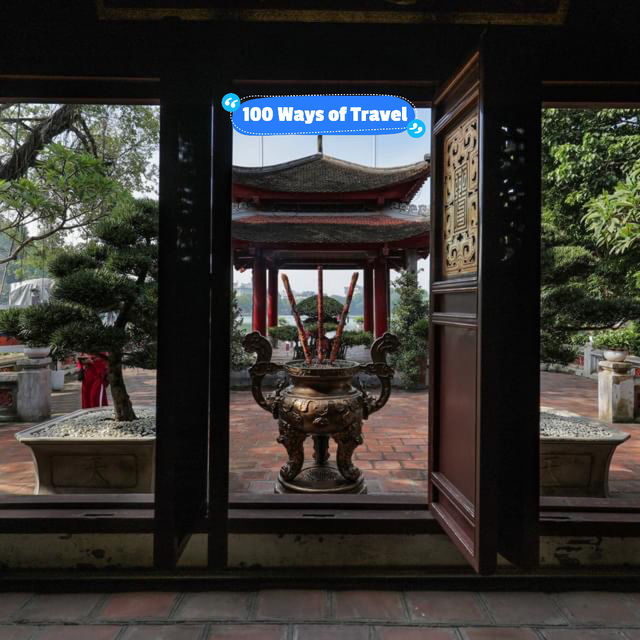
x=94 y=381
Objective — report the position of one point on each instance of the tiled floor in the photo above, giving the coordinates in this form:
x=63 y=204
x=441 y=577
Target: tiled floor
x=321 y=615
x=393 y=456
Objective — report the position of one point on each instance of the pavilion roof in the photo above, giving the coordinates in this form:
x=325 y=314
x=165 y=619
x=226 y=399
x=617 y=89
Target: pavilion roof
x=324 y=174
x=380 y=227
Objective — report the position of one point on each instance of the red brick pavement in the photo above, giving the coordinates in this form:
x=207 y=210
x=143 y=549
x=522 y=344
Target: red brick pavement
x=393 y=456
x=321 y=615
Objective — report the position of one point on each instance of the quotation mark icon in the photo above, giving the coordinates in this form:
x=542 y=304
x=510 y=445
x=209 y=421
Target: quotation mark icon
x=416 y=128
x=230 y=102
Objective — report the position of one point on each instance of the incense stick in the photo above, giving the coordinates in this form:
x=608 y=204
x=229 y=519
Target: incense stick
x=320 y=317
x=343 y=318
x=296 y=317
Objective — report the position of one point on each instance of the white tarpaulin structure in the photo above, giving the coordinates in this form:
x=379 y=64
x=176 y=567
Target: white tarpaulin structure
x=28 y=292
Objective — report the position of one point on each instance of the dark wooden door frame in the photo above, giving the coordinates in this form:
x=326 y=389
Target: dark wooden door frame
x=484 y=299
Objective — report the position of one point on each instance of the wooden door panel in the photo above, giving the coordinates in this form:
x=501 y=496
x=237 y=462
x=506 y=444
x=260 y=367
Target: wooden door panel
x=484 y=300
x=457 y=439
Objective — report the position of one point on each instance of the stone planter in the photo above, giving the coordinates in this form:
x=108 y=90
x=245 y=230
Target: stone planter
x=36 y=352
x=615 y=355
x=66 y=464
x=575 y=455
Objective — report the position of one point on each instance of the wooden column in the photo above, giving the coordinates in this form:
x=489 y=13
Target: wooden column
x=182 y=424
x=220 y=328
x=272 y=309
x=381 y=297
x=259 y=295
x=368 y=298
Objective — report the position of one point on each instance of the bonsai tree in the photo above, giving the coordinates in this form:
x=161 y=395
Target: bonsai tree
x=309 y=307
x=411 y=325
x=284 y=332
x=105 y=298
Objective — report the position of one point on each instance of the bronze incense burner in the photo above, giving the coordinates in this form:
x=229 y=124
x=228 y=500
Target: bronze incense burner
x=321 y=400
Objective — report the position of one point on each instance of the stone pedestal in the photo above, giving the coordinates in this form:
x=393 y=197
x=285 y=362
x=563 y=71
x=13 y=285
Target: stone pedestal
x=34 y=389
x=615 y=391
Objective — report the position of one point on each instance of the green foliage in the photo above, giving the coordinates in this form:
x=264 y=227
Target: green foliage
x=627 y=339
x=67 y=189
x=357 y=338
x=98 y=154
x=312 y=327
x=11 y=322
x=411 y=325
x=585 y=287
x=614 y=218
x=309 y=307
x=284 y=332
x=240 y=359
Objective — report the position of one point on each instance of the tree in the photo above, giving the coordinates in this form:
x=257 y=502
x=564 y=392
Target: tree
x=105 y=299
x=65 y=191
x=61 y=166
x=309 y=307
x=614 y=218
x=411 y=325
x=585 y=287
x=240 y=359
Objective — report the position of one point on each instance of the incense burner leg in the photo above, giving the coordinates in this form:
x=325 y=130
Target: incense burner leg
x=320 y=449
x=347 y=441
x=293 y=441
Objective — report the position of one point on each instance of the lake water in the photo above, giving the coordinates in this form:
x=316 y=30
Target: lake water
x=246 y=322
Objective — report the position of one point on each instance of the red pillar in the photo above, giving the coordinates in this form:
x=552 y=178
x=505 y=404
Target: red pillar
x=381 y=295
x=368 y=298
x=272 y=307
x=259 y=296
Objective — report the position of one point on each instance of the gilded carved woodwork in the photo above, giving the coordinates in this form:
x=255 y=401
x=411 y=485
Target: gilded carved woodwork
x=460 y=198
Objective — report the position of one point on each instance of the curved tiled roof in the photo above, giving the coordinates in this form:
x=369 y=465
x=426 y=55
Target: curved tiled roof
x=320 y=173
x=328 y=228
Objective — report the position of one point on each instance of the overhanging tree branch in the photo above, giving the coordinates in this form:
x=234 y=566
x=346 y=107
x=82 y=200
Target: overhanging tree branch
x=26 y=154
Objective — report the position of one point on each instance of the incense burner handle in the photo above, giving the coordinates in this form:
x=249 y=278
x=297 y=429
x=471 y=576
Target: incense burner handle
x=378 y=366
x=256 y=343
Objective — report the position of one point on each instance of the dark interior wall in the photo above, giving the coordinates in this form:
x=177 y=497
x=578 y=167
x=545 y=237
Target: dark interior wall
x=50 y=37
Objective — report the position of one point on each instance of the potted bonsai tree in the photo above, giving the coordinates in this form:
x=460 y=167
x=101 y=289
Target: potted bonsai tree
x=616 y=344
x=104 y=303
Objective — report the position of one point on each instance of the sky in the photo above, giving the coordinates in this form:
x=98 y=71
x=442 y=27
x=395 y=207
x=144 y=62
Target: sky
x=390 y=150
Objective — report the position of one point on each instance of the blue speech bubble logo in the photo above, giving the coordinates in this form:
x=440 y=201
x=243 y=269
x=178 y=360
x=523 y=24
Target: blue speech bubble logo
x=230 y=102
x=338 y=114
x=416 y=128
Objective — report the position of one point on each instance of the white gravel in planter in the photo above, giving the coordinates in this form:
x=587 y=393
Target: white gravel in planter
x=553 y=425
x=100 y=424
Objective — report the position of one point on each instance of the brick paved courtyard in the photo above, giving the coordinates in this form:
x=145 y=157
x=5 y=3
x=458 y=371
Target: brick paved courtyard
x=393 y=457
x=321 y=615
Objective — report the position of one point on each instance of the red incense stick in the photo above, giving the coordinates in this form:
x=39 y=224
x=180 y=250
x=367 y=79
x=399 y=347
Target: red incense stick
x=343 y=318
x=296 y=317
x=320 y=317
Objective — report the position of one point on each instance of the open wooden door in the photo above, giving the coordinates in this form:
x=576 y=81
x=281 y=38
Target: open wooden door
x=484 y=347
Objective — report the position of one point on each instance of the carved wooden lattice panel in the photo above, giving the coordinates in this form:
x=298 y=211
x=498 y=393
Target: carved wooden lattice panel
x=461 y=198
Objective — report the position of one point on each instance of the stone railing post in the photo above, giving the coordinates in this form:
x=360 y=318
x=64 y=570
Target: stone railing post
x=586 y=360
x=615 y=391
x=34 y=389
